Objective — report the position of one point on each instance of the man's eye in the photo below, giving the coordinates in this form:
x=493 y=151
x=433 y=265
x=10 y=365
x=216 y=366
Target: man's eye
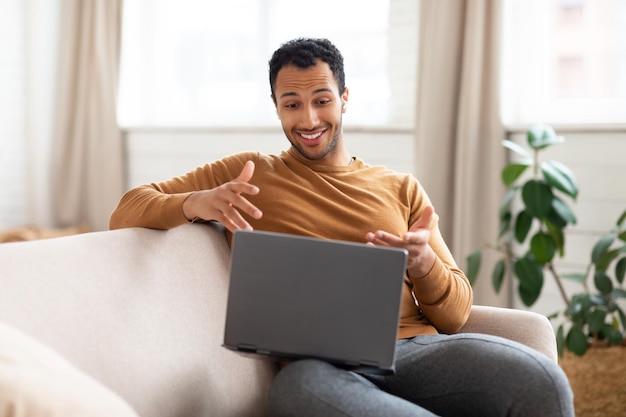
x=323 y=102
x=291 y=106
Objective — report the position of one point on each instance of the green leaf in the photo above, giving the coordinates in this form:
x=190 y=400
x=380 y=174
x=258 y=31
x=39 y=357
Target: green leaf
x=598 y=300
x=596 y=320
x=541 y=136
x=615 y=336
x=512 y=172
x=622 y=317
x=561 y=177
x=614 y=322
x=528 y=296
x=497 y=276
x=473 y=265
x=523 y=222
x=557 y=234
x=505 y=223
x=530 y=276
x=537 y=196
x=543 y=247
x=606 y=259
x=517 y=149
x=560 y=341
x=621 y=219
x=618 y=293
x=601 y=247
x=505 y=204
x=563 y=210
x=602 y=282
x=553 y=315
x=578 y=307
x=620 y=270
x=575 y=277
x=555 y=219
x=576 y=341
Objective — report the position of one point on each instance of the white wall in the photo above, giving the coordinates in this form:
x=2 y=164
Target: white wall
x=158 y=154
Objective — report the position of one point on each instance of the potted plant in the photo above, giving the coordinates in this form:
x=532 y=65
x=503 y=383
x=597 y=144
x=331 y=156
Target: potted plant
x=534 y=214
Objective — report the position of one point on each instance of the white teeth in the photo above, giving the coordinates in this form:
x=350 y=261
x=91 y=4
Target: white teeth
x=315 y=136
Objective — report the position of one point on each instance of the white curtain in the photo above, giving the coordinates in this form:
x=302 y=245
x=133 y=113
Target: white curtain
x=87 y=165
x=459 y=129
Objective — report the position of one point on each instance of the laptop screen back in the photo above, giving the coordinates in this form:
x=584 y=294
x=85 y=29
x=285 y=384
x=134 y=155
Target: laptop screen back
x=300 y=297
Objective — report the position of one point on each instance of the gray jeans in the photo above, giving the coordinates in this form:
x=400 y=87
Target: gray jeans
x=439 y=375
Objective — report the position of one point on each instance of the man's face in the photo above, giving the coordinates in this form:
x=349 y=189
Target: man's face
x=310 y=110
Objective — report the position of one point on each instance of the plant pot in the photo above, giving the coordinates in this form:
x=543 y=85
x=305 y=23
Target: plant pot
x=598 y=379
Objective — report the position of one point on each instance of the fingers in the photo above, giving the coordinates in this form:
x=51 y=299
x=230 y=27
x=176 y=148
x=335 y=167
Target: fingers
x=234 y=202
x=416 y=241
x=230 y=203
x=425 y=220
x=232 y=220
x=227 y=203
x=227 y=209
x=241 y=186
x=382 y=238
x=246 y=172
x=418 y=233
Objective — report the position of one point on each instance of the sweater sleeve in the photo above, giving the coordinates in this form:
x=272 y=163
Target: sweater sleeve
x=444 y=295
x=160 y=205
x=148 y=206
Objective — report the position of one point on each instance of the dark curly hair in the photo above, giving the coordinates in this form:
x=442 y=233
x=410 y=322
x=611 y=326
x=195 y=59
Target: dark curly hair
x=303 y=53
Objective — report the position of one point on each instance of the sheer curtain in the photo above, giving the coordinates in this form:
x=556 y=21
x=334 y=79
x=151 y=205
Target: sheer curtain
x=87 y=164
x=458 y=124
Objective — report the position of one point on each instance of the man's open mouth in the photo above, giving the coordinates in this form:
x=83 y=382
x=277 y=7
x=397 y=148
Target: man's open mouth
x=312 y=136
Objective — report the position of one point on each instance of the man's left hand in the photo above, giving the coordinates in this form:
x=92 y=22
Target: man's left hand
x=421 y=256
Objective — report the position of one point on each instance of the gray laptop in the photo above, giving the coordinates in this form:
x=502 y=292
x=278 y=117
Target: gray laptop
x=293 y=297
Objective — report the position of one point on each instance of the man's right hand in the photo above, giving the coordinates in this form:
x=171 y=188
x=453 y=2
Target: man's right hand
x=226 y=202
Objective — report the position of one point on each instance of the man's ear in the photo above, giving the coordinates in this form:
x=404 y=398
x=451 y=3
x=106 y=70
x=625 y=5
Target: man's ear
x=344 y=100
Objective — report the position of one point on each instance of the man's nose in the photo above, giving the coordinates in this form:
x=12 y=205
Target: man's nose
x=310 y=118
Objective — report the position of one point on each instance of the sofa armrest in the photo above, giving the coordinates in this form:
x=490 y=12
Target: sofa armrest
x=529 y=328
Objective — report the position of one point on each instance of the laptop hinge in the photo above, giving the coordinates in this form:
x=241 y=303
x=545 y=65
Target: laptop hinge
x=244 y=347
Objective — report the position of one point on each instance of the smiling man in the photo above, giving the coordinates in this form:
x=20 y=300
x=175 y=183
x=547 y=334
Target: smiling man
x=310 y=101
x=317 y=188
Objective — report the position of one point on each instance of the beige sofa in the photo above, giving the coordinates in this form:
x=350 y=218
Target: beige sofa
x=140 y=313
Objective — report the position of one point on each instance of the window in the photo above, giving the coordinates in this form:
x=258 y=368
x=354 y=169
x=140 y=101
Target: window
x=564 y=61
x=12 y=104
x=201 y=63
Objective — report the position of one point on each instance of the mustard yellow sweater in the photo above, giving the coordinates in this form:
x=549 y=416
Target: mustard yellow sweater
x=336 y=202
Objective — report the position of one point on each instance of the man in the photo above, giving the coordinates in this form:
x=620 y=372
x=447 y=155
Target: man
x=316 y=188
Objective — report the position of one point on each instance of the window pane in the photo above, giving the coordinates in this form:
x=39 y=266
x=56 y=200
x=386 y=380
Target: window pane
x=565 y=61
x=200 y=63
x=13 y=179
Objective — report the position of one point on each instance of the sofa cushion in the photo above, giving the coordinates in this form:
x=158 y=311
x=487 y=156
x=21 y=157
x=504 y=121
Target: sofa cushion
x=36 y=381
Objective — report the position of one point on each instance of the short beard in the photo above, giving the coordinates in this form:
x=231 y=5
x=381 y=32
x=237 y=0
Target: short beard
x=329 y=149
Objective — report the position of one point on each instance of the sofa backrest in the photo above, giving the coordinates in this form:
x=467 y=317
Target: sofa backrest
x=140 y=310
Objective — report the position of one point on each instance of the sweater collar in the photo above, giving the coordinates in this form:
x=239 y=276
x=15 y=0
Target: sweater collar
x=293 y=155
